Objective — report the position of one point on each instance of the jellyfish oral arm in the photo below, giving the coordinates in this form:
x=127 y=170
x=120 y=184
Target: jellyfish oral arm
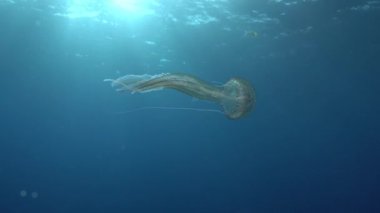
x=183 y=83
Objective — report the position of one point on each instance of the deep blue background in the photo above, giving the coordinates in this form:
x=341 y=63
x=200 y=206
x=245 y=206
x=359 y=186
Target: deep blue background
x=311 y=145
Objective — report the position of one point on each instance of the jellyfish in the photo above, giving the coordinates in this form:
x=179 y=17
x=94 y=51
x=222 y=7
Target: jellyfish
x=237 y=96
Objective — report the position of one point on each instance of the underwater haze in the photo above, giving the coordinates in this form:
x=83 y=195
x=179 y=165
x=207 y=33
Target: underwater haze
x=71 y=143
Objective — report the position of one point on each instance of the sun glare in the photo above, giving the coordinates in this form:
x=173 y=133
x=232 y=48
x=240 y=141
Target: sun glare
x=127 y=5
x=129 y=9
x=132 y=7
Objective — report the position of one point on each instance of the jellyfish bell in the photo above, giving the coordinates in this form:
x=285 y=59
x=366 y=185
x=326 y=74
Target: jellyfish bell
x=239 y=98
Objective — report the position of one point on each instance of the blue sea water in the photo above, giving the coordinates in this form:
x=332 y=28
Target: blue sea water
x=70 y=143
